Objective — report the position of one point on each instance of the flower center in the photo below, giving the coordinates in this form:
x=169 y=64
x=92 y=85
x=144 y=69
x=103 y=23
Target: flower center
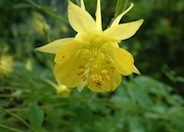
x=97 y=66
x=96 y=71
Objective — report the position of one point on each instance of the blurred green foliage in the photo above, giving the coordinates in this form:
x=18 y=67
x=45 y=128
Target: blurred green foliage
x=151 y=102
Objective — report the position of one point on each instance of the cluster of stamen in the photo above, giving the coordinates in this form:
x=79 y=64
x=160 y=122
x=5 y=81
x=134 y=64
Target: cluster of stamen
x=97 y=65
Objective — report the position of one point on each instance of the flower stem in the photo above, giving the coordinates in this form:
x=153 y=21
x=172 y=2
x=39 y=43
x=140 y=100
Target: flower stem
x=120 y=7
x=10 y=128
x=48 y=12
x=16 y=117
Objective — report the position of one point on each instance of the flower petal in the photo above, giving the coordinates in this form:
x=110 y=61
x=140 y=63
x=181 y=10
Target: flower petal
x=69 y=60
x=81 y=85
x=136 y=70
x=82 y=5
x=68 y=71
x=118 y=18
x=67 y=51
x=123 y=61
x=65 y=72
x=54 y=46
x=80 y=20
x=123 y=31
x=98 y=16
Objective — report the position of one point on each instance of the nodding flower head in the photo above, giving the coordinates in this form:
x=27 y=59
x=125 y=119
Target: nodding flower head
x=93 y=57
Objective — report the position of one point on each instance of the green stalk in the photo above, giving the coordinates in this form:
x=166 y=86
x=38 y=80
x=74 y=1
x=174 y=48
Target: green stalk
x=16 y=117
x=120 y=7
x=10 y=128
x=48 y=12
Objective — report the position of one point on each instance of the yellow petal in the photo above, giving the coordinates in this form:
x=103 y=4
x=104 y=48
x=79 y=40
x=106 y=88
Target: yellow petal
x=54 y=46
x=67 y=51
x=98 y=16
x=80 y=20
x=123 y=31
x=118 y=18
x=136 y=70
x=81 y=85
x=82 y=5
x=68 y=69
x=122 y=60
x=64 y=73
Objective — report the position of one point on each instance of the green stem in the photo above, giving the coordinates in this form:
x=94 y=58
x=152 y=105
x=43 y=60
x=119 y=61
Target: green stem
x=34 y=4
x=120 y=7
x=56 y=16
x=10 y=128
x=48 y=12
x=17 y=117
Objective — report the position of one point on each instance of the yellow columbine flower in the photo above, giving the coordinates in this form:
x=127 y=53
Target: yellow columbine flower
x=93 y=57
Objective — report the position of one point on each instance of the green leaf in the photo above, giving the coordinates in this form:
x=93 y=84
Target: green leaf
x=139 y=95
x=135 y=124
x=138 y=91
x=35 y=116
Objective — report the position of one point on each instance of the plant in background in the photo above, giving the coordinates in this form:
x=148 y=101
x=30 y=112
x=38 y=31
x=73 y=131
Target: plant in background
x=37 y=22
x=93 y=57
x=140 y=103
x=6 y=65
